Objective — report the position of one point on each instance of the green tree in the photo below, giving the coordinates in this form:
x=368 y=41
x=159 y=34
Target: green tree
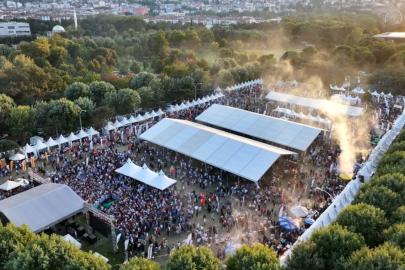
x=52 y=252
x=366 y=220
x=141 y=79
x=124 y=101
x=252 y=258
x=399 y=215
x=366 y=97
x=100 y=115
x=398 y=146
x=76 y=90
x=190 y=258
x=384 y=257
x=308 y=52
x=57 y=115
x=6 y=104
x=141 y=264
x=147 y=96
x=305 y=256
x=87 y=110
x=396 y=234
x=97 y=91
x=176 y=38
x=22 y=119
x=214 y=47
x=225 y=79
x=13 y=237
x=135 y=68
x=223 y=43
x=7 y=145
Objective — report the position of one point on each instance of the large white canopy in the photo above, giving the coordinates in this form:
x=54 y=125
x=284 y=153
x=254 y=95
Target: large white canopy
x=9 y=185
x=70 y=239
x=268 y=128
x=28 y=149
x=241 y=156
x=320 y=104
x=17 y=157
x=146 y=176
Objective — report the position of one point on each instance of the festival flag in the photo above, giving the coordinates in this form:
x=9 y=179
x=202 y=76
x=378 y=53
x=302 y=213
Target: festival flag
x=202 y=199
x=91 y=145
x=46 y=156
x=11 y=165
x=115 y=137
x=32 y=162
x=189 y=116
x=2 y=163
x=24 y=165
x=106 y=142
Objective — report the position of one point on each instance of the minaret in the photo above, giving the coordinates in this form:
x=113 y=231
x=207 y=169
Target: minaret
x=75 y=18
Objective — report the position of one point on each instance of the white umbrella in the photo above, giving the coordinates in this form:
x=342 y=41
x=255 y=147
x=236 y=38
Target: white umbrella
x=299 y=211
x=17 y=157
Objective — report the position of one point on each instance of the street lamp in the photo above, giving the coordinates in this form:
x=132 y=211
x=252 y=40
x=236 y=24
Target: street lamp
x=80 y=117
x=195 y=90
x=331 y=197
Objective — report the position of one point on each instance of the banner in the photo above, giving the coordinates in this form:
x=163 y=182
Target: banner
x=24 y=165
x=32 y=162
x=11 y=165
x=202 y=199
x=46 y=156
x=2 y=161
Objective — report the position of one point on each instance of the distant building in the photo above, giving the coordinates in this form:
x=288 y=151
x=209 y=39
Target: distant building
x=136 y=10
x=392 y=36
x=57 y=29
x=12 y=29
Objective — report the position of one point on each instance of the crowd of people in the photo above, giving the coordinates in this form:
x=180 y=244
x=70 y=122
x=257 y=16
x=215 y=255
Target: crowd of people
x=215 y=208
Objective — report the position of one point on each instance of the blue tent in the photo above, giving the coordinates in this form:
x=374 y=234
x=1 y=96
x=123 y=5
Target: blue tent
x=309 y=221
x=288 y=224
x=357 y=166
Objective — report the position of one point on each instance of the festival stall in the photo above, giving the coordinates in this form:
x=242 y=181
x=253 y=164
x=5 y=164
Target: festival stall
x=9 y=185
x=27 y=149
x=72 y=138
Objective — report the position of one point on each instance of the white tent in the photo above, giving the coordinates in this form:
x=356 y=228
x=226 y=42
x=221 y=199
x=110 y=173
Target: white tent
x=109 y=127
x=9 y=185
x=144 y=174
x=61 y=140
x=129 y=169
x=161 y=181
x=160 y=112
x=188 y=104
x=51 y=142
x=146 y=116
x=182 y=106
x=17 y=157
x=217 y=89
x=70 y=239
x=153 y=114
x=117 y=124
x=40 y=146
x=374 y=93
x=170 y=109
x=241 y=156
x=132 y=119
x=194 y=103
x=82 y=134
x=92 y=132
x=72 y=137
x=199 y=101
x=203 y=100
x=139 y=118
x=177 y=108
x=124 y=122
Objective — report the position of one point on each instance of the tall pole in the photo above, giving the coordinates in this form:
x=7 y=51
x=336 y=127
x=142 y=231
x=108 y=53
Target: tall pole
x=195 y=90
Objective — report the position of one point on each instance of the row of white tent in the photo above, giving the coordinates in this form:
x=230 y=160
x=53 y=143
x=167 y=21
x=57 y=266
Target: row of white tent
x=131 y=120
x=245 y=84
x=345 y=198
x=61 y=140
x=358 y=90
x=193 y=103
x=139 y=118
x=303 y=116
x=389 y=95
x=336 y=88
x=145 y=175
x=347 y=99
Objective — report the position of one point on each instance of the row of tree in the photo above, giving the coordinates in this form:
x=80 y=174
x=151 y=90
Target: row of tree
x=368 y=234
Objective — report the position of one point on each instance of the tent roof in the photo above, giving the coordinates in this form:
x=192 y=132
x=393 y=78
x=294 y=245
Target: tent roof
x=109 y=126
x=51 y=142
x=146 y=176
x=72 y=137
x=61 y=140
x=117 y=124
x=320 y=104
x=70 y=239
x=9 y=185
x=28 y=149
x=82 y=134
x=125 y=122
x=91 y=131
x=40 y=145
x=241 y=156
x=268 y=128
x=42 y=206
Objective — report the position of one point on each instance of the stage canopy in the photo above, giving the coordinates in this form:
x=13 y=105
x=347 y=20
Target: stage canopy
x=146 y=176
x=241 y=156
x=268 y=128
x=319 y=104
x=41 y=207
